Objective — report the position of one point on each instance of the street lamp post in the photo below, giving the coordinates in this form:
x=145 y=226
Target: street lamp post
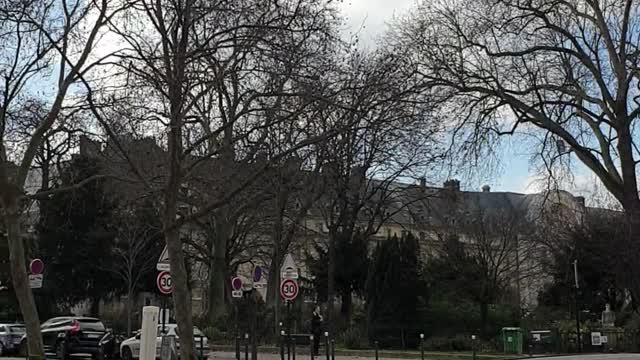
x=577 y=285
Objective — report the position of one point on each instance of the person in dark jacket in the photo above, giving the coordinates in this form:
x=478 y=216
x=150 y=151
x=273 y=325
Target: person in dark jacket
x=316 y=329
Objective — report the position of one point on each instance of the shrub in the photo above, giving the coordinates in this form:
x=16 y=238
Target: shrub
x=214 y=334
x=354 y=338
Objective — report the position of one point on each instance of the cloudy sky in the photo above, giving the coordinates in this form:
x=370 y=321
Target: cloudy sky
x=369 y=18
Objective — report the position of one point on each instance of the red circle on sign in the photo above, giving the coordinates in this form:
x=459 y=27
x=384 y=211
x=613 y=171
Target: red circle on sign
x=236 y=283
x=164 y=283
x=289 y=289
x=36 y=266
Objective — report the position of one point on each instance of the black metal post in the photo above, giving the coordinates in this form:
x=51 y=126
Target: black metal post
x=333 y=349
x=237 y=347
x=246 y=346
x=282 y=344
x=577 y=284
x=422 y=346
x=311 y=347
x=201 y=347
x=473 y=346
x=375 y=343
x=164 y=313
x=293 y=347
x=326 y=344
x=288 y=337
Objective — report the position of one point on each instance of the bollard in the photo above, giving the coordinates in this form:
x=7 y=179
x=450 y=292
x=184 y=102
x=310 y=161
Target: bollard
x=293 y=347
x=149 y=331
x=326 y=343
x=238 y=357
x=333 y=349
x=246 y=346
x=202 y=348
x=375 y=343
x=311 y=347
x=281 y=344
x=473 y=346
x=422 y=346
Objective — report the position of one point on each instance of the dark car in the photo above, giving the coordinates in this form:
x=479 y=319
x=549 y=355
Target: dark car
x=65 y=336
x=10 y=336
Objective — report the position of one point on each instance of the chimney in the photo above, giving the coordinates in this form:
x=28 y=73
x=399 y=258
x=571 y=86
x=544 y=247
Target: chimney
x=486 y=188
x=580 y=200
x=423 y=182
x=452 y=185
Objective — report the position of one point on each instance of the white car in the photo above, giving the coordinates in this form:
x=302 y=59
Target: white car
x=130 y=348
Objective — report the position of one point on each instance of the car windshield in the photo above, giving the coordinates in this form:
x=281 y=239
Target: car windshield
x=17 y=329
x=91 y=324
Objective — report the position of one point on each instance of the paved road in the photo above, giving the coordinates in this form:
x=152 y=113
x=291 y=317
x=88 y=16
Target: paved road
x=597 y=357
x=231 y=356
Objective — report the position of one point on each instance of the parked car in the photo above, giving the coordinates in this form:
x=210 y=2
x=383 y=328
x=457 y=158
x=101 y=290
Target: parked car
x=130 y=348
x=72 y=335
x=10 y=336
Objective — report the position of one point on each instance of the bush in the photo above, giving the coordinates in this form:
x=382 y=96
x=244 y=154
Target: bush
x=354 y=338
x=214 y=334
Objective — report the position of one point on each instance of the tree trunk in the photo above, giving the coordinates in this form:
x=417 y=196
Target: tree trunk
x=20 y=278
x=217 y=278
x=273 y=284
x=129 y=308
x=181 y=293
x=346 y=305
x=331 y=288
x=484 y=318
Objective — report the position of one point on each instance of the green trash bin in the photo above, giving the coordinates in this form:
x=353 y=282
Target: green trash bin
x=512 y=340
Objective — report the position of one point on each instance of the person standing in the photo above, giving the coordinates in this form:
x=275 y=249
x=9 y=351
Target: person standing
x=316 y=329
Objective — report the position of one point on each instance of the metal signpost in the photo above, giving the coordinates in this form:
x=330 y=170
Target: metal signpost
x=166 y=288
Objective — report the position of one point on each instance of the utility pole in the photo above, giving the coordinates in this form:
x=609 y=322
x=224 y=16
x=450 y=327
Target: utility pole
x=577 y=285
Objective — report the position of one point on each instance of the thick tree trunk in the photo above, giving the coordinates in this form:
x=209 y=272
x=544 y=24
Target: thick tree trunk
x=20 y=278
x=346 y=305
x=217 y=279
x=331 y=289
x=484 y=318
x=181 y=293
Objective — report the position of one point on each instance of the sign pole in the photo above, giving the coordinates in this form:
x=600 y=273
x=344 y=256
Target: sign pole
x=164 y=313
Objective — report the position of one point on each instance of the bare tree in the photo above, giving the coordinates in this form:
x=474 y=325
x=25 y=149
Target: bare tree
x=390 y=137
x=136 y=244
x=34 y=33
x=566 y=70
x=211 y=79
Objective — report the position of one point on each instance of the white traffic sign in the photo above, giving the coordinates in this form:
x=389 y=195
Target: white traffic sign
x=289 y=270
x=164 y=283
x=35 y=281
x=289 y=289
x=163 y=261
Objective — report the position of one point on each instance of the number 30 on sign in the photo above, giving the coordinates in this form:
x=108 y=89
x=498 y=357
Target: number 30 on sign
x=164 y=283
x=289 y=289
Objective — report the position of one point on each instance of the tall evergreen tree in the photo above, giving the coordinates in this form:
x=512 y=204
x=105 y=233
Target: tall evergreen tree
x=393 y=289
x=75 y=240
x=352 y=260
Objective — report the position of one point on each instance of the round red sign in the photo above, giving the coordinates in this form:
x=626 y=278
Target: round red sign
x=36 y=267
x=164 y=283
x=236 y=283
x=289 y=289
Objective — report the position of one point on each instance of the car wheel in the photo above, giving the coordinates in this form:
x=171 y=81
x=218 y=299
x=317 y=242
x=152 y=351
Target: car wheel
x=127 y=354
x=61 y=352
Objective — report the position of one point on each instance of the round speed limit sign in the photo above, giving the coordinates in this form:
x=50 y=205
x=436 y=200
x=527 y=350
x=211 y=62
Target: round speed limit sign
x=164 y=283
x=289 y=289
